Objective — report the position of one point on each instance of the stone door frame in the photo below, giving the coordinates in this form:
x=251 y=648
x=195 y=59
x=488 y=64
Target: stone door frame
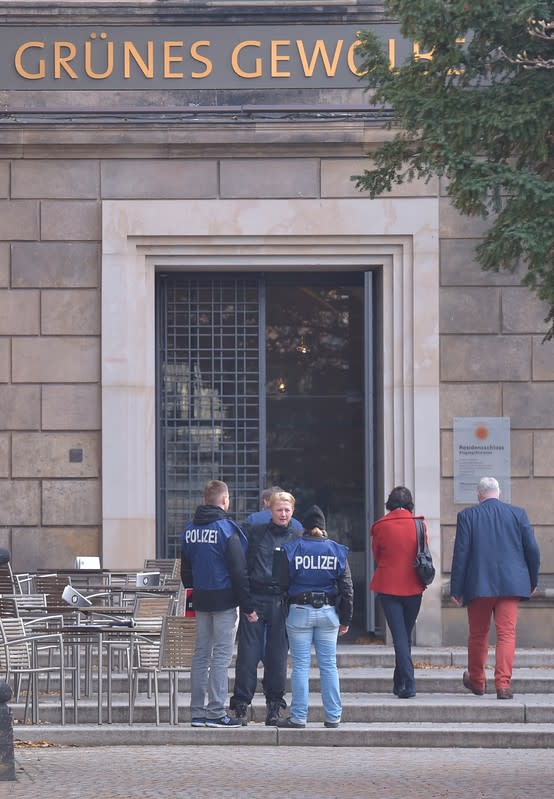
x=399 y=235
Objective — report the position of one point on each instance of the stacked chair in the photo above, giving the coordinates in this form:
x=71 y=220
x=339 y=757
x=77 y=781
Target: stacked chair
x=171 y=654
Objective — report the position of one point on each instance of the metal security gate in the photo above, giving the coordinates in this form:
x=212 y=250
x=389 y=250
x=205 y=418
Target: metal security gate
x=208 y=377
x=262 y=380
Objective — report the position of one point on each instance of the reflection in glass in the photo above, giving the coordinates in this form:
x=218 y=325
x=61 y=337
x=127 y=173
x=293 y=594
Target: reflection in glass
x=315 y=404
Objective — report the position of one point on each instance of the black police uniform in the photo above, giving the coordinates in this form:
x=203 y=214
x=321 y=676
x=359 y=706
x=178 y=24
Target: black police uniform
x=265 y=640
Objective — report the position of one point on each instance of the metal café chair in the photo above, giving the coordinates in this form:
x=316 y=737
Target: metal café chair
x=152 y=605
x=148 y=611
x=19 y=656
x=8 y=583
x=163 y=565
x=23 y=605
x=23 y=583
x=173 y=654
x=52 y=585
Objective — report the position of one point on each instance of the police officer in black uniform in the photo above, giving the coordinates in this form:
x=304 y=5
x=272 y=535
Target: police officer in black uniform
x=266 y=639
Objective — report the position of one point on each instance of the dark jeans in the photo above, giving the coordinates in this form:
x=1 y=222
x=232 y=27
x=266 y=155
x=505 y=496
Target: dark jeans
x=263 y=640
x=401 y=614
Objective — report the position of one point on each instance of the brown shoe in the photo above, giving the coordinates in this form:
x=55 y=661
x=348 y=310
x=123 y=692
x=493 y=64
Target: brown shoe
x=504 y=693
x=469 y=685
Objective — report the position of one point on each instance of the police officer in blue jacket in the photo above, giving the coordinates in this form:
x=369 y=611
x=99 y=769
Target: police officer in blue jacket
x=317 y=575
x=213 y=561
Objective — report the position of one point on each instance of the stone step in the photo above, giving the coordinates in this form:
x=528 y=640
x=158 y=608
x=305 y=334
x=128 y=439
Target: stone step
x=442 y=713
x=358 y=708
x=375 y=656
x=380 y=656
x=413 y=734
x=379 y=680
x=363 y=680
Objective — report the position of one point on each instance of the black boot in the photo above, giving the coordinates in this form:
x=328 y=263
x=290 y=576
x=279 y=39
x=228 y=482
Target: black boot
x=241 y=712
x=272 y=717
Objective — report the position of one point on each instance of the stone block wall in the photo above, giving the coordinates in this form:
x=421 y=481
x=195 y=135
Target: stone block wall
x=50 y=237
x=493 y=361
x=50 y=507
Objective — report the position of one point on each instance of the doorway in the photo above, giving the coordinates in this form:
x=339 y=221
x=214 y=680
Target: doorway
x=267 y=380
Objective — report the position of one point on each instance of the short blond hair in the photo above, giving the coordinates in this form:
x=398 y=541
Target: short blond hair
x=281 y=496
x=214 y=491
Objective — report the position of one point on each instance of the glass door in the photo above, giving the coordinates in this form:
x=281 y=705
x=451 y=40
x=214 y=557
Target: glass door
x=315 y=403
x=267 y=380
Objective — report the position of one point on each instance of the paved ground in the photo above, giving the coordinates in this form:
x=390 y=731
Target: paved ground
x=235 y=772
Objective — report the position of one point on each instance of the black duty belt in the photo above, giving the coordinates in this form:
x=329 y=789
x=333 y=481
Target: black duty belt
x=315 y=598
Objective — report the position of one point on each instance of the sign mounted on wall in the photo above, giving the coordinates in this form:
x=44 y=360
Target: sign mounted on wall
x=481 y=449
x=207 y=57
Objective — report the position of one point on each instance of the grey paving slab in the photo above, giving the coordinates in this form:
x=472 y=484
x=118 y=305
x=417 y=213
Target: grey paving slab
x=294 y=772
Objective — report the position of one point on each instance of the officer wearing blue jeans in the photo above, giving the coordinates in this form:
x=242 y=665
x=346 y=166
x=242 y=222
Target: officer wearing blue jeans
x=213 y=562
x=316 y=572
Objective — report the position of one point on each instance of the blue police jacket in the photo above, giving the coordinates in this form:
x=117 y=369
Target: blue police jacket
x=315 y=564
x=213 y=559
x=495 y=552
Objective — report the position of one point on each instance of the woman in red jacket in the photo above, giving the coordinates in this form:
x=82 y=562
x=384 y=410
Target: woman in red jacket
x=394 y=546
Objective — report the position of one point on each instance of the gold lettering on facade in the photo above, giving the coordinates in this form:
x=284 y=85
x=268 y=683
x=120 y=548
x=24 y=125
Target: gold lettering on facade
x=235 y=60
x=61 y=60
x=319 y=49
x=428 y=56
x=461 y=40
x=109 y=59
x=392 y=53
x=351 y=61
x=20 y=69
x=102 y=56
x=276 y=57
x=146 y=67
x=170 y=59
x=202 y=59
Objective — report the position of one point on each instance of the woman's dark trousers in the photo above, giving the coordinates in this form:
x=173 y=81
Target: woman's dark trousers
x=401 y=614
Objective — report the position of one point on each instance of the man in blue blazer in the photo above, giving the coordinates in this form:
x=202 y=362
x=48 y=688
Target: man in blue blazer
x=495 y=565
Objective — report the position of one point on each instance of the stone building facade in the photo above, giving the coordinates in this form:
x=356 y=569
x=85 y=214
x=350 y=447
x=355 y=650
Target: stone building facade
x=100 y=189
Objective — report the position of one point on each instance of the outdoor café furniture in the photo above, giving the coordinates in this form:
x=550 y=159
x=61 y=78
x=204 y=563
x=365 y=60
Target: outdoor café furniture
x=20 y=656
x=8 y=583
x=172 y=654
x=166 y=566
x=23 y=605
x=94 y=641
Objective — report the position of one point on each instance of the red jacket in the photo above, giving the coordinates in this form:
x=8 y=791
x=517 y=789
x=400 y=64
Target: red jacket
x=394 y=546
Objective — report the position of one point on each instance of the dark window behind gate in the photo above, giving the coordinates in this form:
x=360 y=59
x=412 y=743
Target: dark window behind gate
x=267 y=379
x=208 y=397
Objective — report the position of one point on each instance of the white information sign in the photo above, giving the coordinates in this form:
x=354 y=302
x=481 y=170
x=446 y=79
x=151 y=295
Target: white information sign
x=481 y=449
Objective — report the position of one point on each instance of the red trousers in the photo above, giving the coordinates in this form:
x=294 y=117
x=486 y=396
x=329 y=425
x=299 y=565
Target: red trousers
x=479 y=612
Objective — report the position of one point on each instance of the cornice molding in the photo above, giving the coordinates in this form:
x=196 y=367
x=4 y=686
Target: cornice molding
x=161 y=12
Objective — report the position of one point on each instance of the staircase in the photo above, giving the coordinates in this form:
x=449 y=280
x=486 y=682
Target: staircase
x=443 y=714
